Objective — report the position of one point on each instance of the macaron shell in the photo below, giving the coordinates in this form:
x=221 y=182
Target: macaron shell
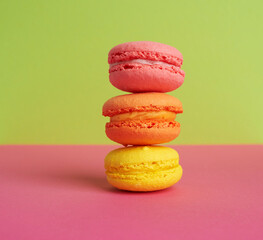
x=136 y=135
x=142 y=46
x=147 y=182
x=140 y=155
x=142 y=102
x=146 y=79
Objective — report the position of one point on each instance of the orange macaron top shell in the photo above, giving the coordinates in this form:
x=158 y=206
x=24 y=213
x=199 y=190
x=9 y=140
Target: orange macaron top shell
x=141 y=102
x=142 y=118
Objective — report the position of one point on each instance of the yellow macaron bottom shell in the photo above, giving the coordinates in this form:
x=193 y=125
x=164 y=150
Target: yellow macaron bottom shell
x=151 y=115
x=146 y=168
x=147 y=181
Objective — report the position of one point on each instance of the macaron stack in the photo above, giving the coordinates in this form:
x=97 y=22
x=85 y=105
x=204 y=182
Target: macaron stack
x=145 y=117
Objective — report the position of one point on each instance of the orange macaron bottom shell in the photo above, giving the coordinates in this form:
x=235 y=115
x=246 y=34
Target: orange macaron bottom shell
x=145 y=132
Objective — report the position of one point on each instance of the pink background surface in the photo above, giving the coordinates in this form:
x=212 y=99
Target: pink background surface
x=60 y=192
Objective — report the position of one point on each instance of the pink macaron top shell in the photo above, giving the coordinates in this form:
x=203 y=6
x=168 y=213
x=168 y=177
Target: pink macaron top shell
x=145 y=50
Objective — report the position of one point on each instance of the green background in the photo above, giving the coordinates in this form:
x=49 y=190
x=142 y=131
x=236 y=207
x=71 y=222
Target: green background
x=54 y=71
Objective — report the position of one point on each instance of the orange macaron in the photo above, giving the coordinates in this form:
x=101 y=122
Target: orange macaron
x=142 y=118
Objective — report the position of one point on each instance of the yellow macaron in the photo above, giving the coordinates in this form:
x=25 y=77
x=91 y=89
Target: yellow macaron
x=143 y=168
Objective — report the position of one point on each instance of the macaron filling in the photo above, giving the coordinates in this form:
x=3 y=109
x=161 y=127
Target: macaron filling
x=174 y=58
x=150 y=115
x=134 y=168
x=143 y=62
x=144 y=175
x=143 y=170
x=137 y=64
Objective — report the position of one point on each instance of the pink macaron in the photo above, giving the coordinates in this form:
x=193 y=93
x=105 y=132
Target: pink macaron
x=145 y=67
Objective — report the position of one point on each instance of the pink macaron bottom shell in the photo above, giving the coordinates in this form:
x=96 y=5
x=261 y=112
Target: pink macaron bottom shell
x=146 y=78
x=142 y=132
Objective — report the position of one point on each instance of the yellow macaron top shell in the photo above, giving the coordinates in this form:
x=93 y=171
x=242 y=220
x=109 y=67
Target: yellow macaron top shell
x=141 y=154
